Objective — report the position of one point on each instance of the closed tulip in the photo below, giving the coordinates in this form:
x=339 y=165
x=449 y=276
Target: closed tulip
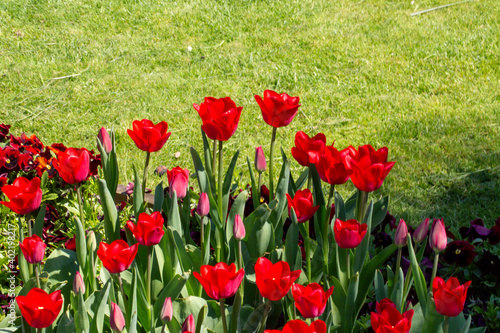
x=40 y=309
x=332 y=167
x=349 y=234
x=25 y=195
x=220 y=117
x=302 y=204
x=239 y=231
x=167 y=310
x=149 y=228
x=308 y=150
x=221 y=280
x=116 y=318
x=421 y=232
x=178 y=181
x=388 y=319
x=73 y=165
x=147 y=136
x=103 y=138
x=278 y=110
x=78 y=284
x=449 y=296
x=310 y=300
x=298 y=326
x=203 y=205
x=438 y=239
x=188 y=325
x=33 y=249
x=401 y=233
x=274 y=280
x=260 y=160
x=117 y=256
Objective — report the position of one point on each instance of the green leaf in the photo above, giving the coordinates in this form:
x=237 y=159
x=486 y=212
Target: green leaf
x=201 y=318
x=397 y=291
x=362 y=249
x=172 y=290
x=81 y=243
x=111 y=222
x=184 y=259
x=339 y=300
x=291 y=244
x=433 y=322
x=138 y=198
x=235 y=313
x=253 y=323
x=99 y=307
x=255 y=190
x=228 y=179
x=418 y=277
x=44 y=180
x=62 y=266
x=258 y=230
x=238 y=208
x=340 y=212
x=281 y=191
x=81 y=318
x=159 y=197
x=349 y=314
x=380 y=287
x=132 y=303
x=319 y=197
x=174 y=218
x=379 y=211
x=39 y=221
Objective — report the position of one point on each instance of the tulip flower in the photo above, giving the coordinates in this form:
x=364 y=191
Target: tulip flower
x=73 y=165
x=220 y=117
x=167 y=311
x=302 y=204
x=388 y=319
x=349 y=234
x=188 y=324
x=238 y=228
x=438 y=238
x=78 y=284
x=369 y=167
x=25 y=195
x=401 y=233
x=149 y=228
x=40 y=309
x=278 y=110
x=221 y=280
x=117 y=256
x=203 y=205
x=421 y=231
x=33 y=249
x=308 y=150
x=103 y=138
x=449 y=296
x=332 y=167
x=298 y=326
x=178 y=180
x=260 y=160
x=147 y=136
x=70 y=244
x=274 y=280
x=310 y=300
x=116 y=318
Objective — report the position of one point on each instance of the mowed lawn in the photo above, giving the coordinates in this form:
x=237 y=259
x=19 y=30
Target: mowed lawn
x=427 y=86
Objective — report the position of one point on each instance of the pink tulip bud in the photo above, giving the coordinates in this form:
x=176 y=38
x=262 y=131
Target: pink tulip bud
x=178 y=180
x=238 y=228
x=188 y=325
x=78 y=284
x=421 y=232
x=103 y=137
x=166 y=311
x=260 y=160
x=116 y=319
x=438 y=239
x=203 y=205
x=401 y=232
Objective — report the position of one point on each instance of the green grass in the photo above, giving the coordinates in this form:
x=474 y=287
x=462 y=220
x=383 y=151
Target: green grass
x=366 y=72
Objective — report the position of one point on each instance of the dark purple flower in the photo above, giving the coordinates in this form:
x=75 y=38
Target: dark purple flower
x=476 y=230
x=494 y=237
x=460 y=253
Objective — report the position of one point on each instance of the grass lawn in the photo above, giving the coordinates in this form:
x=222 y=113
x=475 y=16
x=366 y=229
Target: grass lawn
x=427 y=86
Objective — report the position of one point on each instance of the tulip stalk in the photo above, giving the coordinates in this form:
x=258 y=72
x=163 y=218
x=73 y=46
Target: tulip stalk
x=434 y=268
x=219 y=236
x=80 y=204
x=214 y=157
x=361 y=201
x=37 y=276
x=326 y=223
x=271 y=162
x=308 y=258
x=398 y=264
x=120 y=283
x=260 y=184
x=149 y=269
x=223 y=314
x=145 y=175
x=446 y=324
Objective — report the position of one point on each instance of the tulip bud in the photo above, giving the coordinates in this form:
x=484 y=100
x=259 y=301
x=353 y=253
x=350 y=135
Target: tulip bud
x=260 y=160
x=401 y=232
x=188 y=325
x=203 y=205
x=421 y=232
x=33 y=249
x=78 y=284
x=91 y=241
x=438 y=239
x=116 y=319
x=166 y=311
x=104 y=139
x=238 y=228
x=178 y=180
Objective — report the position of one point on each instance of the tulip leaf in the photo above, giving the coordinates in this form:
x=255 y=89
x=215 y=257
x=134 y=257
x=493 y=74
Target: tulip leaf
x=23 y=264
x=258 y=230
x=351 y=296
x=111 y=221
x=172 y=290
x=433 y=322
x=301 y=180
x=180 y=249
x=138 y=198
x=397 y=291
x=319 y=197
x=132 y=305
x=228 y=179
x=201 y=173
x=174 y=218
x=81 y=244
x=208 y=159
x=81 y=318
x=159 y=197
x=362 y=249
x=419 y=279
x=182 y=308
x=281 y=190
x=254 y=321
x=66 y=323
x=255 y=190
x=339 y=207
x=112 y=173
x=380 y=287
x=169 y=257
x=417 y=321
x=235 y=313
x=201 y=318
x=350 y=206
x=99 y=307
x=62 y=266
x=39 y=221
x=379 y=211
x=291 y=244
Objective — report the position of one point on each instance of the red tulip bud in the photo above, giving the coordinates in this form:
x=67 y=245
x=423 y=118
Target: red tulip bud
x=203 y=205
x=401 y=232
x=238 y=228
x=33 y=249
x=78 y=284
x=260 y=160
x=178 y=180
x=421 y=232
x=166 y=311
x=438 y=239
x=104 y=139
x=188 y=325
x=116 y=319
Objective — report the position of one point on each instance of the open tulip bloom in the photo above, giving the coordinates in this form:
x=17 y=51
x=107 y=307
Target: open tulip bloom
x=40 y=309
x=25 y=195
x=308 y=150
x=298 y=326
x=274 y=280
x=278 y=110
x=147 y=136
x=221 y=280
x=310 y=300
x=449 y=296
x=388 y=319
x=117 y=256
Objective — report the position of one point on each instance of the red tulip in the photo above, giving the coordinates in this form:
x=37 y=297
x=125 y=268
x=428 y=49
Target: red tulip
x=149 y=228
x=274 y=280
x=73 y=165
x=450 y=296
x=310 y=300
x=298 y=326
x=148 y=136
x=220 y=117
x=203 y=205
x=116 y=318
x=33 y=249
x=308 y=150
x=438 y=239
x=239 y=231
x=71 y=243
x=221 y=280
x=421 y=232
x=302 y=204
x=349 y=234
x=117 y=256
x=369 y=167
x=332 y=166
x=260 y=160
x=388 y=319
x=25 y=195
x=40 y=309
x=401 y=233
x=178 y=180
x=188 y=325
x=103 y=138
x=278 y=110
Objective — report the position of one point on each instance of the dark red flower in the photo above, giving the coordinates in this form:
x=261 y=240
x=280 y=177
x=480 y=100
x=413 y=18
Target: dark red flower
x=349 y=234
x=459 y=253
x=332 y=167
x=278 y=110
x=388 y=319
x=40 y=309
x=4 y=132
x=73 y=165
x=449 y=296
x=274 y=280
x=149 y=228
x=33 y=249
x=308 y=150
x=221 y=280
x=148 y=136
x=369 y=167
x=310 y=300
x=117 y=256
x=494 y=237
x=298 y=326
x=25 y=195
x=9 y=158
x=220 y=117
x=42 y=165
x=302 y=204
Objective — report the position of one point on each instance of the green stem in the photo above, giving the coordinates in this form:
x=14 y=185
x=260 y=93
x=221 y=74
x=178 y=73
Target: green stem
x=30 y=233
x=149 y=269
x=348 y=260
x=202 y=239
x=163 y=328
x=38 y=330
x=398 y=264
x=80 y=205
x=214 y=157
x=223 y=314
x=35 y=266
x=434 y=268
x=264 y=317
x=309 y=177
x=271 y=160
x=308 y=258
x=446 y=324
x=326 y=224
x=121 y=288
x=260 y=186
x=219 y=185
x=145 y=175
x=361 y=205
